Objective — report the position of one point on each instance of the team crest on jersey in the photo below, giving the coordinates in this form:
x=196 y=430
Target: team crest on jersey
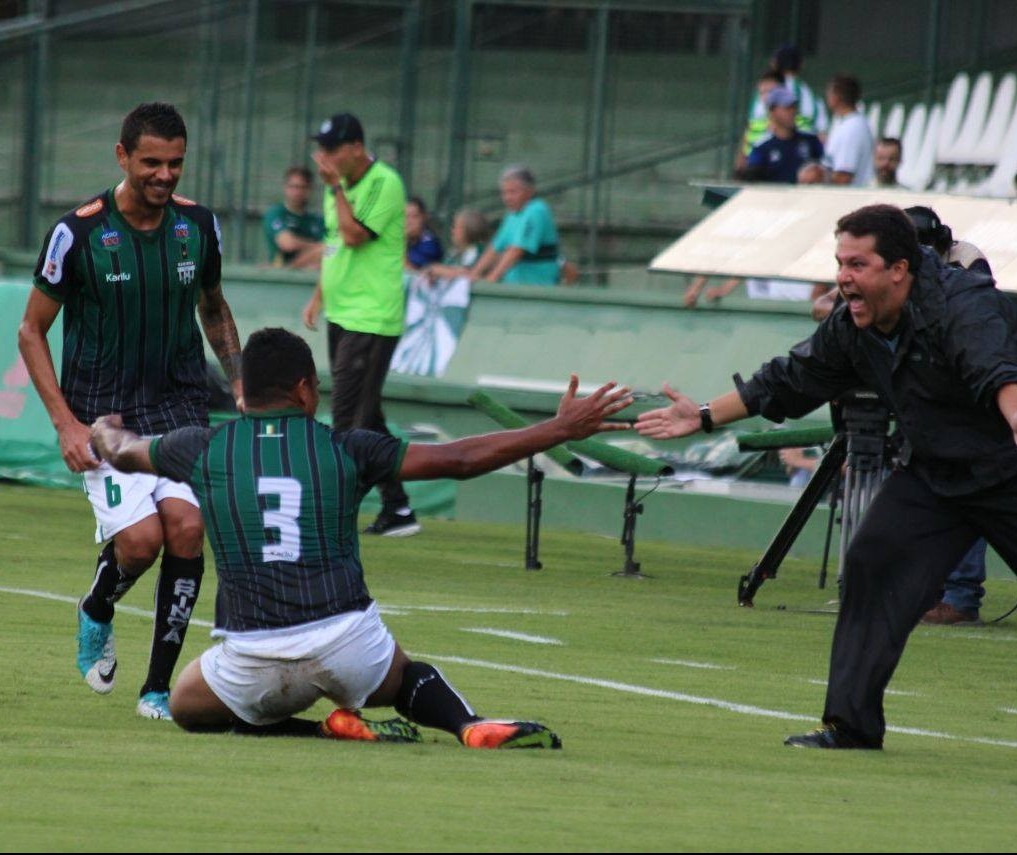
x=91 y=208
x=183 y=200
x=111 y=239
x=181 y=231
x=186 y=271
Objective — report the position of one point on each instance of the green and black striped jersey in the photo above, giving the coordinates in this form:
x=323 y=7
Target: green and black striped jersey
x=280 y=493
x=131 y=340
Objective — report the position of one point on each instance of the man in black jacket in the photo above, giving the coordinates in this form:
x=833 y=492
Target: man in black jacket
x=938 y=346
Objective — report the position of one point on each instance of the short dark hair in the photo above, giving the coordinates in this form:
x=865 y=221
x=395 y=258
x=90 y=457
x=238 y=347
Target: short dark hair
x=772 y=76
x=891 y=141
x=893 y=230
x=301 y=172
x=418 y=203
x=847 y=87
x=787 y=58
x=156 y=119
x=274 y=361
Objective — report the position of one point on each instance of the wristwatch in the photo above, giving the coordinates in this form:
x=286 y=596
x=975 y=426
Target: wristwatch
x=705 y=418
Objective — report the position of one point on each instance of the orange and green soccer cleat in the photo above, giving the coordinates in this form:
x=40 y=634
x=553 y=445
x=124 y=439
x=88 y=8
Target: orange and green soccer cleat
x=349 y=724
x=492 y=733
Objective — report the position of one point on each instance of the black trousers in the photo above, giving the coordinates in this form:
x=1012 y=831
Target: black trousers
x=907 y=544
x=359 y=362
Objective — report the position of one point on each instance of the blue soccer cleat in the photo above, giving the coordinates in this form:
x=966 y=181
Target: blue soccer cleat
x=154 y=705
x=97 y=657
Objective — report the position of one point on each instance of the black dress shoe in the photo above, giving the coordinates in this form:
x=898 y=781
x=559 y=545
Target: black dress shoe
x=828 y=736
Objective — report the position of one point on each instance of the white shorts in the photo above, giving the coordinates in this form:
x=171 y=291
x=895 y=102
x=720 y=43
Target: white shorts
x=270 y=675
x=121 y=499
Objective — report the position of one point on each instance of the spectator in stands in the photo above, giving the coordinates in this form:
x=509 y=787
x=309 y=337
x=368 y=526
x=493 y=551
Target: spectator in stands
x=812 y=173
x=525 y=247
x=812 y=118
x=422 y=245
x=759 y=119
x=886 y=161
x=469 y=231
x=782 y=151
x=849 y=147
x=294 y=234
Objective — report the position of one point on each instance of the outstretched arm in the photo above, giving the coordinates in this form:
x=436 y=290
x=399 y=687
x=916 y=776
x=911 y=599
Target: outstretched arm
x=577 y=418
x=682 y=417
x=121 y=448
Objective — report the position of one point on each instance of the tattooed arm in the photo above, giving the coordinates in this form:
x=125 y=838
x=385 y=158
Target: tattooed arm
x=221 y=332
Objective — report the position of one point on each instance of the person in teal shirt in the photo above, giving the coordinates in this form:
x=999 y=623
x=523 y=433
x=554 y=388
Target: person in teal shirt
x=525 y=247
x=294 y=235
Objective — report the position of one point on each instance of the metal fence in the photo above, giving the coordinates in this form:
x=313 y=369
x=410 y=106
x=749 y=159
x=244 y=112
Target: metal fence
x=618 y=106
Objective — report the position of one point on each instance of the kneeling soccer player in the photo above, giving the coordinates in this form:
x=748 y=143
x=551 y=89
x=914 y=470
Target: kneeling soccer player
x=280 y=492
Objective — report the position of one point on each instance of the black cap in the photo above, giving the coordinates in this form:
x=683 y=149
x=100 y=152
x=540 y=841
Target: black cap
x=341 y=128
x=931 y=231
x=787 y=58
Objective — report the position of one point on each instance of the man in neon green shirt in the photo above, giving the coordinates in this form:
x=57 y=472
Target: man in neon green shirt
x=361 y=289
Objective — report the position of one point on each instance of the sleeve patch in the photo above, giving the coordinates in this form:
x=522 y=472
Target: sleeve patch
x=59 y=245
x=90 y=209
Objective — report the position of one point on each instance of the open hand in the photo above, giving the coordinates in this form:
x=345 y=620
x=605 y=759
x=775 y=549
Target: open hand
x=681 y=418
x=587 y=416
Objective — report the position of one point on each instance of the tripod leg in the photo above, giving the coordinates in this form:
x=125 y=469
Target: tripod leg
x=783 y=540
x=834 y=490
x=534 y=483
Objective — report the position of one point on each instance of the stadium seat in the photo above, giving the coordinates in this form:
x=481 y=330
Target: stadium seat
x=962 y=149
x=894 y=124
x=989 y=146
x=917 y=172
x=872 y=114
x=1000 y=183
x=953 y=115
x=911 y=143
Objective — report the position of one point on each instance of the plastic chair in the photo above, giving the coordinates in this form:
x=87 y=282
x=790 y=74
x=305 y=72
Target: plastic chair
x=953 y=115
x=988 y=148
x=916 y=172
x=1000 y=183
x=963 y=149
x=872 y=115
x=894 y=122
x=911 y=143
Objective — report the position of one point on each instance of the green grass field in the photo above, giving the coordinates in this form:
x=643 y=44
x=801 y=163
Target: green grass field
x=672 y=704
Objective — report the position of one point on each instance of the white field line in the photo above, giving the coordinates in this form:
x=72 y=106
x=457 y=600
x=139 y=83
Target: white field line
x=687 y=664
x=60 y=598
x=959 y=633
x=629 y=688
x=384 y=609
x=515 y=636
x=681 y=697
x=898 y=692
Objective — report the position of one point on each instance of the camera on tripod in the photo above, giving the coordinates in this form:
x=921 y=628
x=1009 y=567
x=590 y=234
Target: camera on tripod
x=861 y=441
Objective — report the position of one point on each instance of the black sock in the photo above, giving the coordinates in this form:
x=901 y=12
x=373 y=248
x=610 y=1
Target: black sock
x=286 y=727
x=175 y=595
x=426 y=698
x=109 y=585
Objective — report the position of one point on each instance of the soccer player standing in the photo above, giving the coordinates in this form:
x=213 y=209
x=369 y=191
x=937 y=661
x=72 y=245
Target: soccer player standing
x=128 y=268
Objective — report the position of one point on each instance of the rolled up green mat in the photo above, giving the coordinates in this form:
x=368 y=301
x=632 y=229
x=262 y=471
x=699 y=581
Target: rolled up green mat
x=509 y=418
x=795 y=438
x=619 y=458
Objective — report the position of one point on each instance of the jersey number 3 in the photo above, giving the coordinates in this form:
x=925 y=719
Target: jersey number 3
x=283 y=520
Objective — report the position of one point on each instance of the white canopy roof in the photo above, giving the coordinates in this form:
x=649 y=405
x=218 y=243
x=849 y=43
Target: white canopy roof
x=787 y=232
